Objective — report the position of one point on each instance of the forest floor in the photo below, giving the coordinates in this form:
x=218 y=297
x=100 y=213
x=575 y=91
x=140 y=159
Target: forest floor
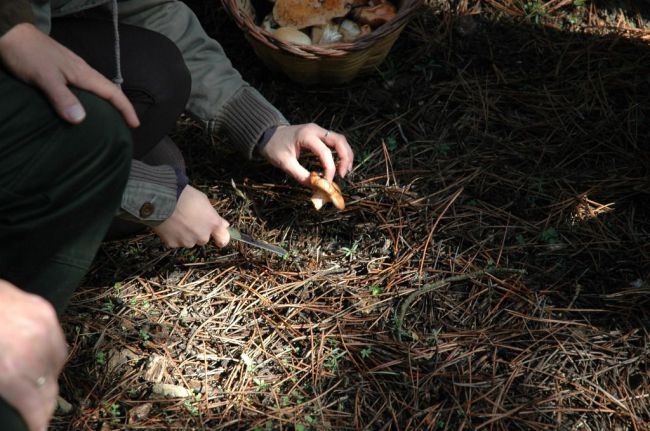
x=491 y=270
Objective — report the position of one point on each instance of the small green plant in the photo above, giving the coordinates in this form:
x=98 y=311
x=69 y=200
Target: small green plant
x=443 y=149
x=261 y=385
x=571 y=19
x=375 y=290
x=579 y=3
x=535 y=10
x=108 y=306
x=365 y=353
x=114 y=411
x=250 y=363
x=520 y=239
x=298 y=396
x=191 y=407
x=100 y=358
x=144 y=334
x=549 y=236
x=117 y=287
x=432 y=339
x=391 y=143
x=349 y=252
x=332 y=362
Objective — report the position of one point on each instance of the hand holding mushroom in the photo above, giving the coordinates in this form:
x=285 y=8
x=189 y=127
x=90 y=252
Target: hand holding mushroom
x=284 y=147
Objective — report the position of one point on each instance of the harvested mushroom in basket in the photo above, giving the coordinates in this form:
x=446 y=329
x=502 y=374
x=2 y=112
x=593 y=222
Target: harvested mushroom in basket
x=326 y=21
x=325 y=192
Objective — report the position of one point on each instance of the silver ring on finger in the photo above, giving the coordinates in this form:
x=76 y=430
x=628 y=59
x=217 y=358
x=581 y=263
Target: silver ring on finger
x=40 y=381
x=326 y=134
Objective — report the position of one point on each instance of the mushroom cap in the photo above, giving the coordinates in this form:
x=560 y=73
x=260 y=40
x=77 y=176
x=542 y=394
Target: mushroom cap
x=324 y=192
x=374 y=16
x=305 y=13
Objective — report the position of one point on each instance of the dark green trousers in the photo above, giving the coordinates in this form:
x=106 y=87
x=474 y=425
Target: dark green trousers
x=60 y=186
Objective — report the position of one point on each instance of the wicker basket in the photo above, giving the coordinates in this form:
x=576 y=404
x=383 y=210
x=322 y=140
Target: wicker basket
x=311 y=64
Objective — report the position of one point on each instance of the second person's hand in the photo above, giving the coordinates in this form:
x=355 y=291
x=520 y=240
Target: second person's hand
x=32 y=353
x=193 y=222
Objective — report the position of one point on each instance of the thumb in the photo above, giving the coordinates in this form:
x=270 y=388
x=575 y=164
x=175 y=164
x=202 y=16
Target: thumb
x=64 y=101
x=297 y=171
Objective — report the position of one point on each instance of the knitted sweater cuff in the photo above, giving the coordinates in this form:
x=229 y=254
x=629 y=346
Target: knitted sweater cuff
x=246 y=117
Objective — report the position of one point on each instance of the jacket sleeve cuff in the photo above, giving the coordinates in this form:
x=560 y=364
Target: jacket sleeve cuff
x=14 y=12
x=246 y=117
x=150 y=195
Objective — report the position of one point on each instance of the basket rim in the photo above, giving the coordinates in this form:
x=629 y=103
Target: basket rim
x=245 y=22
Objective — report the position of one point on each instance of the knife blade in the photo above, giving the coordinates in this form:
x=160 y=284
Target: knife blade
x=247 y=239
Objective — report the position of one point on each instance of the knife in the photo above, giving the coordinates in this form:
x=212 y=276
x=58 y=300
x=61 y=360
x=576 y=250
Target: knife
x=247 y=239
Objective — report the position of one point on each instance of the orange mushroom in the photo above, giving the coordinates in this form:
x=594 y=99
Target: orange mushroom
x=306 y=13
x=374 y=16
x=325 y=192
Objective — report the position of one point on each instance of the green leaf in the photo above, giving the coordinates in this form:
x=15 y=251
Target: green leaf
x=391 y=143
x=550 y=236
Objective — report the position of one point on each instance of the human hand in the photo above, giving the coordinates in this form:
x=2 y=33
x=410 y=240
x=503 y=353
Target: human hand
x=37 y=59
x=283 y=151
x=33 y=352
x=194 y=221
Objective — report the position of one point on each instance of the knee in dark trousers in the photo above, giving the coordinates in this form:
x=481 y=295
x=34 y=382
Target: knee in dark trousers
x=60 y=186
x=156 y=79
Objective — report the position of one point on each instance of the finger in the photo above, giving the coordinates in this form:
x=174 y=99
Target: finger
x=96 y=83
x=296 y=171
x=65 y=103
x=36 y=406
x=343 y=150
x=221 y=236
x=49 y=394
x=316 y=146
x=203 y=238
x=60 y=355
x=58 y=351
